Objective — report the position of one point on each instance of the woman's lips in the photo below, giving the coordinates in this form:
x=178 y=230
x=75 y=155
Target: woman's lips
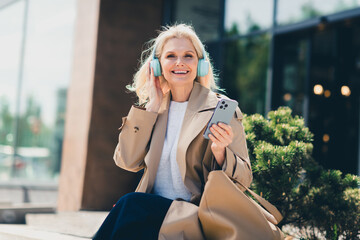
x=180 y=72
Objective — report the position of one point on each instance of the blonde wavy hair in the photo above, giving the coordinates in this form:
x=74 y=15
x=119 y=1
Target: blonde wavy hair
x=140 y=85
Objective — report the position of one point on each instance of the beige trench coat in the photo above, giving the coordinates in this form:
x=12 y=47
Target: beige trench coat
x=140 y=146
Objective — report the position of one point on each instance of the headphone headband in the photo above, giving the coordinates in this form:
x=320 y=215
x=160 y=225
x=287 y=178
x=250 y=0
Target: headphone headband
x=154 y=50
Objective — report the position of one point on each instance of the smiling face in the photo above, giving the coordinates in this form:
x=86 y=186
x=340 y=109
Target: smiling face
x=179 y=62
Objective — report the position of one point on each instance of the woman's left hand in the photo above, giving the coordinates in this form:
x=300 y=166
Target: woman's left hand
x=221 y=137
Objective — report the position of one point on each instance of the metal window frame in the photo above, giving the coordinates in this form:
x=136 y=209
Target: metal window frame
x=311 y=23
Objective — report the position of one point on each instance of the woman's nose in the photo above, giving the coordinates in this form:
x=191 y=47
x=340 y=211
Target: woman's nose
x=179 y=62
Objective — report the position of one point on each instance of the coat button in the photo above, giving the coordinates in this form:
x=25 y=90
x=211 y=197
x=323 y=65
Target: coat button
x=136 y=129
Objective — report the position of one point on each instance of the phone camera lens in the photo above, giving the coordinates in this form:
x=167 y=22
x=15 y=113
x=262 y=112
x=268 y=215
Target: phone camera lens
x=223 y=102
x=226 y=105
x=221 y=107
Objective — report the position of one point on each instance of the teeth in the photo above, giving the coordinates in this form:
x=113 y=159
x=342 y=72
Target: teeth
x=180 y=71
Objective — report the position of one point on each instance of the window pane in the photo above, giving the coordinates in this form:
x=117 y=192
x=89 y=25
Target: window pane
x=204 y=15
x=47 y=70
x=242 y=16
x=294 y=61
x=299 y=10
x=334 y=114
x=11 y=25
x=245 y=72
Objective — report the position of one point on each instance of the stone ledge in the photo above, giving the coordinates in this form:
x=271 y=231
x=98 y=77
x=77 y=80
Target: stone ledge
x=81 y=223
x=23 y=232
x=16 y=213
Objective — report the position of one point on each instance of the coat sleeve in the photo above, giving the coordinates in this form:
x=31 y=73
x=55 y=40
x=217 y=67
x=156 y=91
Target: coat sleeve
x=237 y=162
x=134 y=137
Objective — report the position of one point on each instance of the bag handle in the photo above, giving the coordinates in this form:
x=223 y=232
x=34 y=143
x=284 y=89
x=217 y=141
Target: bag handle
x=273 y=214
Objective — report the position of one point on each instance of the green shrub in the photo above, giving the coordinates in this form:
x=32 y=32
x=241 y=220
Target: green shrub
x=314 y=200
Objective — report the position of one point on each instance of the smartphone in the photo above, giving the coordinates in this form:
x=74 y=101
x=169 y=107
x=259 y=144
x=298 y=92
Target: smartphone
x=224 y=112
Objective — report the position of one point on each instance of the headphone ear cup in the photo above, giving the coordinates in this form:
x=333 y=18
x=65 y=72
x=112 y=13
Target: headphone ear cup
x=155 y=64
x=203 y=68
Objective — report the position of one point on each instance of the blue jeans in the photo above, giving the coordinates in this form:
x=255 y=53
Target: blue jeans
x=135 y=216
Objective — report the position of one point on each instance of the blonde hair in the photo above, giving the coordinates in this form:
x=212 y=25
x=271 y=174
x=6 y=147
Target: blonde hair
x=139 y=84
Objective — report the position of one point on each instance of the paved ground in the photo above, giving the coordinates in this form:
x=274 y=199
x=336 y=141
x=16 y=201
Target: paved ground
x=59 y=226
x=51 y=226
x=13 y=208
x=22 y=232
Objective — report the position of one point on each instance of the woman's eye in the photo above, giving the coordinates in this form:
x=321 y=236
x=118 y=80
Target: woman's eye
x=170 y=56
x=188 y=56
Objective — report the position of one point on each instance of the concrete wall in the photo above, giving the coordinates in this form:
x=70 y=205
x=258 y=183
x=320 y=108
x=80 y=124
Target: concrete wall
x=109 y=38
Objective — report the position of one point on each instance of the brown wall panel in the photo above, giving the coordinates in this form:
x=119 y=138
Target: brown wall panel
x=109 y=38
x=124 y=26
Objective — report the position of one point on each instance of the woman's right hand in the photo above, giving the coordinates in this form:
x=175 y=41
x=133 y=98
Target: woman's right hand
x=155 y=92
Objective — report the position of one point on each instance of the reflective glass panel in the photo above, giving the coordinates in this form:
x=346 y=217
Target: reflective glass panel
x=299 y=10
x=245 y=72
x=11 y=32
x=204 y=15
x=294 y=60
x=317 y=74
x=333 y=112
x=46 y=76
x=242 y=16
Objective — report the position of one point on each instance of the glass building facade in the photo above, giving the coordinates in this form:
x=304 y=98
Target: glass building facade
x=303 y=54
x=36 y=38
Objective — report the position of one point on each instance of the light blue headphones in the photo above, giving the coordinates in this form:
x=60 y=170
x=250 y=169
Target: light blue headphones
x=202 y=68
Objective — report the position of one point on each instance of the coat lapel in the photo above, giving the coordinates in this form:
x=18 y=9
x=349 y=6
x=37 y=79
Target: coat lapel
x=157 y=143
x=201 y=104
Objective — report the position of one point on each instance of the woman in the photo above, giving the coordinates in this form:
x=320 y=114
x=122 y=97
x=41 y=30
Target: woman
x=164 y=136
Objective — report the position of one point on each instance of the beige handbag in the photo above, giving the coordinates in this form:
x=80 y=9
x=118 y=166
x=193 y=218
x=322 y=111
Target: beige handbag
x=225 y=212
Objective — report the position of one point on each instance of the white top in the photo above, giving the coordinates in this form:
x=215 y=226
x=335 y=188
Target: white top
x=168 y=181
